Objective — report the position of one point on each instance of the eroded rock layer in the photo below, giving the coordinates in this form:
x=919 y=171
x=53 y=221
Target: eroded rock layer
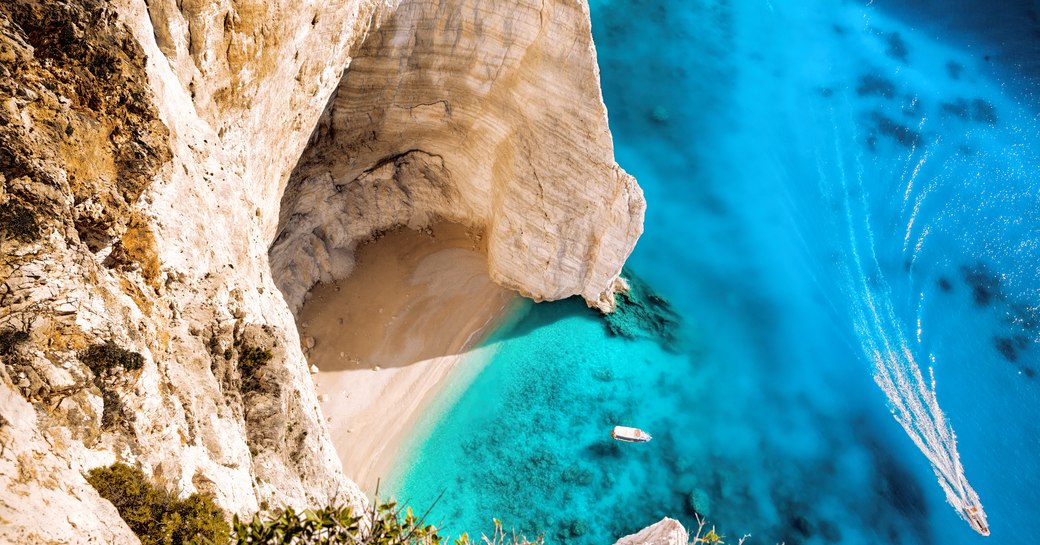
x=143 y=150
x=479 y=112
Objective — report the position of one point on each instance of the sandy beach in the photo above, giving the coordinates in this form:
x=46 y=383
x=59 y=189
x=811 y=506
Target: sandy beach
x=387 y=338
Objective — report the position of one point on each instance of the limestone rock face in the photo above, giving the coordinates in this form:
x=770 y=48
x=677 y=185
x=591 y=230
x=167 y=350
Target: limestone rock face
x=142 y=156
x=152 y=192
x=481 y=112
x=44 y=499
x=665 y=532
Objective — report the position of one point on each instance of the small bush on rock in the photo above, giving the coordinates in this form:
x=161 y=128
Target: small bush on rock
x=155 y=514
x=383 y=525
x=250 y=360
x=109 y=355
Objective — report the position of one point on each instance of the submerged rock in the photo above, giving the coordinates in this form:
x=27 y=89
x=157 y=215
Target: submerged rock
x=699 y=502
x=643 y=314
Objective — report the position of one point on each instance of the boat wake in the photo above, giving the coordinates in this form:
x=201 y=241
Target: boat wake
x=882 y=335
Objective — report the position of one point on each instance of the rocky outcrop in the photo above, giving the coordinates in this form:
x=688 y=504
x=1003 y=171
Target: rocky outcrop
x=480 y=112
x=141 y=165
x=150 y=153
x=665 y=532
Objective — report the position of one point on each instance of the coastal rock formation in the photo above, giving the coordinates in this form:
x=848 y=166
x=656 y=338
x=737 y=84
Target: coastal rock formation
x=141 y=164
x=665 y=532
x=479 y=112
x=146 y=150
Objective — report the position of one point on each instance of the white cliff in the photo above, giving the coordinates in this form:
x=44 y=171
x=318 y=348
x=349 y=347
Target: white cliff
x=179 y=186
x=479 y=112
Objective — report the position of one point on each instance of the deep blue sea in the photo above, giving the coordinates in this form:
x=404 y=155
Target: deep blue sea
x=837 y=191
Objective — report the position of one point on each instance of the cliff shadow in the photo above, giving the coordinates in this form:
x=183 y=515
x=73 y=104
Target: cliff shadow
x=413 y=296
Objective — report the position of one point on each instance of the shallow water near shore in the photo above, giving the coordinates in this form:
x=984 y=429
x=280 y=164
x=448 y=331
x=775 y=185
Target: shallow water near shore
x=822 y=179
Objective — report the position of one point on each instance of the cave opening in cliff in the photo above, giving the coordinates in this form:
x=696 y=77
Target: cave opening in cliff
x=412 y=295
x=384 y=338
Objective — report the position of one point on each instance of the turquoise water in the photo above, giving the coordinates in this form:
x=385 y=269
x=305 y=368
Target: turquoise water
x=823 y=179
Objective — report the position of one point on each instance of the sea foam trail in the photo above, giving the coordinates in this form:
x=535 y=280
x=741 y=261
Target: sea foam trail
x=882 y=336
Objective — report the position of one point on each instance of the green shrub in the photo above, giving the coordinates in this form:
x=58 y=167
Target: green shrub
x=156 y=515
x=384 y=525
x=19 y=222
x=250 y=360
x=109 y=355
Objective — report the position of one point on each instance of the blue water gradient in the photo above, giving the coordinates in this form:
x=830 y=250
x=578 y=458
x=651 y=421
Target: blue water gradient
x=803 y=162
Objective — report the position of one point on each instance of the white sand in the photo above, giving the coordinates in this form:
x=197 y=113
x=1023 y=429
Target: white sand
x=387 y=338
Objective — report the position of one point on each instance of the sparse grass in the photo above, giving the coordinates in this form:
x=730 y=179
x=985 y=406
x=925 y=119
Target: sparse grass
x=155 y=514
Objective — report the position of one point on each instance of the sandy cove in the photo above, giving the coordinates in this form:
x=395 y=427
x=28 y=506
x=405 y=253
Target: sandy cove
x=387 y=338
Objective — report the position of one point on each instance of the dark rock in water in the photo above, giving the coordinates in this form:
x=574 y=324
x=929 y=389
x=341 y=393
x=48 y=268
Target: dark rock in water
x=944 y=284
x=954 y=69
x=1006 y=347
x=957 y=108
x=830 y=532
x=802 y=526
x=885 y=126
x=978 y=110
x=897 y=48
x=912 y=107
x=643 y=314
x=1025 y=316
x=577 y=475
x=660 y=115
x=983 y=112
x=985 y=286
x=875 y=85
x=1029 y=372
x=699 y=503
x=577 y=528
x=604 y=449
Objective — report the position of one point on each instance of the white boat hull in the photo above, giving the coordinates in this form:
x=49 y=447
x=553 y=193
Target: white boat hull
x=630 y=435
